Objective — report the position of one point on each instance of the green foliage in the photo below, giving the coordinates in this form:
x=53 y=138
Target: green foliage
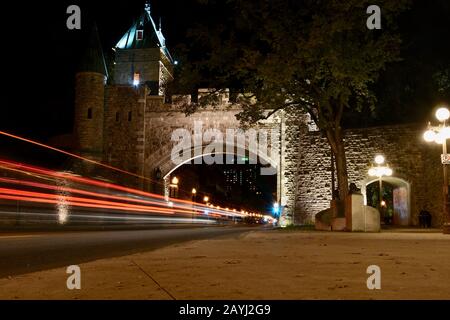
x=442 y=81
x=314 y=55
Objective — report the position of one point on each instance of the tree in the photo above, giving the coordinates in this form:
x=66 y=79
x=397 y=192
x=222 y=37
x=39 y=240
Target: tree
x=313 y=55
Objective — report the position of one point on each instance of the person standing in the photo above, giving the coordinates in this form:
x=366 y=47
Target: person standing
x=422 y=218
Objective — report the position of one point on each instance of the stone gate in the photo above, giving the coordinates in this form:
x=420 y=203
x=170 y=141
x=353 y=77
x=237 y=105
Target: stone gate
x=123 y=119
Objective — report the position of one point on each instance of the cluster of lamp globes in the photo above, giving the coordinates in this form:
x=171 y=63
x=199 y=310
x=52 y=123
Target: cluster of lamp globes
x=441 y=133
x=380 y=170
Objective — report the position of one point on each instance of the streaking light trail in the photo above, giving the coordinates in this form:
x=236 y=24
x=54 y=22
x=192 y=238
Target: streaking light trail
x=72 y=155
x=64 y=195
x=62 y=206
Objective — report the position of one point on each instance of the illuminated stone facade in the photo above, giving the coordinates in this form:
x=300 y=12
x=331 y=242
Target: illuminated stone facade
x=129 y=126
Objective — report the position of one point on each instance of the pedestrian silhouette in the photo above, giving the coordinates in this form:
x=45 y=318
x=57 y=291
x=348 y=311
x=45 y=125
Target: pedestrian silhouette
x=425 y=219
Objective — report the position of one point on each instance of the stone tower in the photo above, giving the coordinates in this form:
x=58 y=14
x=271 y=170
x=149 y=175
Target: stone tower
x=90 y=82
x=142 y=56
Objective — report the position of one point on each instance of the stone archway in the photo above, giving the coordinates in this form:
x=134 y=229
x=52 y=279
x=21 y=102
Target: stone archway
x=401 y=198
x=167 y=166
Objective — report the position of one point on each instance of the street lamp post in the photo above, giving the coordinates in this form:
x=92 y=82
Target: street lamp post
x=206 y=200
x=380 y=171
x=440 y=134
x=194 y=195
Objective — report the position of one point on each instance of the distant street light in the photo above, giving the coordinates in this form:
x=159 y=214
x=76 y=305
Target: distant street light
x=205 y=199
x=440 y=134
x=276 y=209
x=194 y=196
x=380 y=171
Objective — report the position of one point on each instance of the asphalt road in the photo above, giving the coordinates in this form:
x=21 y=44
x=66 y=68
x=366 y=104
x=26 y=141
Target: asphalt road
x=34 y=251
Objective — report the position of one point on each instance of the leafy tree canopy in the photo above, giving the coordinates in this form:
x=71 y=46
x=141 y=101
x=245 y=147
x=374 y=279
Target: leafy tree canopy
x=315 y=55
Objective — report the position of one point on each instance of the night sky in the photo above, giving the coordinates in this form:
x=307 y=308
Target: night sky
x=41 y=55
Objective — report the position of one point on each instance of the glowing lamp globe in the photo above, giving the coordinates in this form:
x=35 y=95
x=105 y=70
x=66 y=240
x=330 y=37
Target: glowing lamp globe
x=372 y=172
x=379 y=159
x=388 y=172
x=429 y=136
x=446 y=132
x=442 y=114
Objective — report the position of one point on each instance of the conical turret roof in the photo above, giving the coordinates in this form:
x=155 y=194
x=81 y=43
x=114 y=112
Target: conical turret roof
x=151 y=36
x=93 y=59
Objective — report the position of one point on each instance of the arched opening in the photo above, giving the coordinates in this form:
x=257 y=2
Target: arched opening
x=263 y=168
x=236 y=185
x=395 y=193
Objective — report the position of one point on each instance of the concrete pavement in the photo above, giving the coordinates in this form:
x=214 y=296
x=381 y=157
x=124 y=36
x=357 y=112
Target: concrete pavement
x=34 y=251
x=260 y=265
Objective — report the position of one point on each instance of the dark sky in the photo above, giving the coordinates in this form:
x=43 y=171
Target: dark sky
x=40 y=56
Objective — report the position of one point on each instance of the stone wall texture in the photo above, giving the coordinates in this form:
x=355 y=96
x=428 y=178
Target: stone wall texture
x=151 y=64
x=137 y=138
x=89 y=112
x=411 y=159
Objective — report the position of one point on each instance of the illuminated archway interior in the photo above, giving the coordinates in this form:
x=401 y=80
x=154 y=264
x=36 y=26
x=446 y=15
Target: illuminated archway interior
x=395 y=194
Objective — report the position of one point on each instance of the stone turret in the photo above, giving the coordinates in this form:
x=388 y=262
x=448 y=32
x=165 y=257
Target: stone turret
x=90 y=83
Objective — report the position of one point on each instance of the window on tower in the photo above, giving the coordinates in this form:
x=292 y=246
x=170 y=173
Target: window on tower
x=117 y=116
x=140 y=35
x=129 y=115
x=89 y=113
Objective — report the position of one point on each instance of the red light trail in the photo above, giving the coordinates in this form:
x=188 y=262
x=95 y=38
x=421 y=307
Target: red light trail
x=23 y=167
x=72 y=155
x=141 y=202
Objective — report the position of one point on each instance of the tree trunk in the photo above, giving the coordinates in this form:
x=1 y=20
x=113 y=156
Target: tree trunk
x=341 y=169
x=336 y=139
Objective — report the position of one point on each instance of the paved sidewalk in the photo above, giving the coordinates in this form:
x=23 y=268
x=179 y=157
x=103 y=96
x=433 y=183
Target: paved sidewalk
x=260 y=265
